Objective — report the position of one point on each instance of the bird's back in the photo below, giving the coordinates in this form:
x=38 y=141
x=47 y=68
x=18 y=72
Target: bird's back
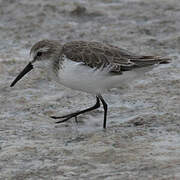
x=96 y=55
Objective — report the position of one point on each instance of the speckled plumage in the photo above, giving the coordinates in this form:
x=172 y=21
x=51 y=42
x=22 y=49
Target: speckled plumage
x=96 y=55
x=87 y=66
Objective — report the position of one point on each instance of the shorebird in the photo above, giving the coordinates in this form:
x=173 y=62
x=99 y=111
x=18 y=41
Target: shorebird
x=92 y=67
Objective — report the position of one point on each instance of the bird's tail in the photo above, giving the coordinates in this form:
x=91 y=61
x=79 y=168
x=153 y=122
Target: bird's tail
x=144 y=61
x=150 y=60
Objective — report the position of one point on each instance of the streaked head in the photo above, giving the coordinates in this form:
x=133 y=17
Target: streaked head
x=45 y=50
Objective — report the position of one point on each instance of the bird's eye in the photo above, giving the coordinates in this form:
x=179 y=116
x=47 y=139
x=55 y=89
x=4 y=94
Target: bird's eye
x=39 y=54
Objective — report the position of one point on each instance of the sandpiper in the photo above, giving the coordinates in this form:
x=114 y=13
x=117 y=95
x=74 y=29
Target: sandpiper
x=91 y=67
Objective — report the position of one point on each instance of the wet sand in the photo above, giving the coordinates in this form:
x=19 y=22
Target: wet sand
x=142 y=139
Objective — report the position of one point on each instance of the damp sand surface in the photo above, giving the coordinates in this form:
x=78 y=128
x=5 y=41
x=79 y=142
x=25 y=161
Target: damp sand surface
x=142 y=139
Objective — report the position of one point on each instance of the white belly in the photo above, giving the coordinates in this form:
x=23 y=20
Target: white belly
x=81 y=77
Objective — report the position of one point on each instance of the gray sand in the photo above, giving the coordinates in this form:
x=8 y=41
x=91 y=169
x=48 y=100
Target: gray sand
x=142 y=140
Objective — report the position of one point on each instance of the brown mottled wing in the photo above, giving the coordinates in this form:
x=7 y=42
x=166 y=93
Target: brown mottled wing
x=95 y=55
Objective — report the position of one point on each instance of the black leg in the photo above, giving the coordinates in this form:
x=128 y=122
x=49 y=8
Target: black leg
x=105 y=106
x=69 y=116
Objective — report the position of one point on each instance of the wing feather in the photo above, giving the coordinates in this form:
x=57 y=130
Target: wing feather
x=96 y=55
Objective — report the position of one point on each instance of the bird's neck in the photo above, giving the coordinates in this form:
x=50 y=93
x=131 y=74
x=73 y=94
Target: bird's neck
x=55 y=67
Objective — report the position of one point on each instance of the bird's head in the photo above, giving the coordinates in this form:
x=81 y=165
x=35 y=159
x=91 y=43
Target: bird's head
x=42 y=52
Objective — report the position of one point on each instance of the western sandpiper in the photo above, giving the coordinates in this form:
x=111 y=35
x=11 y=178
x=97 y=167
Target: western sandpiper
x=91 y=67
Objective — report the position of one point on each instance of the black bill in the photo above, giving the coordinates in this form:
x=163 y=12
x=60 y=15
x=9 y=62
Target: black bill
x=28 y=68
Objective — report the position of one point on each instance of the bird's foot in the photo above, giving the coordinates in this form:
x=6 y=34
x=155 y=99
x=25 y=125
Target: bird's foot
x=66 y=117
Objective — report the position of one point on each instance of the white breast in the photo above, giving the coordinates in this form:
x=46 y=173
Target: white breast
x=81 y=77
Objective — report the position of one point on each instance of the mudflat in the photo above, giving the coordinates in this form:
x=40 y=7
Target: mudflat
x=142 y=139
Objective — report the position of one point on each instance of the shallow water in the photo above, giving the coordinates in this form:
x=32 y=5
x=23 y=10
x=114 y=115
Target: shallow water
x=142 y=136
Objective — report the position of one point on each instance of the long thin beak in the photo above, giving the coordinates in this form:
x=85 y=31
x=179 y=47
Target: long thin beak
x=28 y=68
